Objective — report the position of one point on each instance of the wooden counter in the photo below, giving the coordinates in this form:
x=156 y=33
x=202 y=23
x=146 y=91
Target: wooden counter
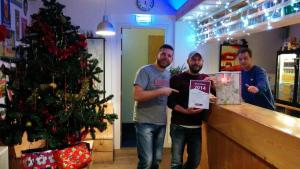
x=249 y=137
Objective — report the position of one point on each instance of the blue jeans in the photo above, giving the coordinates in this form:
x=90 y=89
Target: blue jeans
x=150 y=141
x=181 y=137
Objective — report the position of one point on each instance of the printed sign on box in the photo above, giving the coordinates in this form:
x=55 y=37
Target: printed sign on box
x=199 y=94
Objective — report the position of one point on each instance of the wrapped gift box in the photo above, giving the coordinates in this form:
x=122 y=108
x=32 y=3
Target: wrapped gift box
x=228 y=87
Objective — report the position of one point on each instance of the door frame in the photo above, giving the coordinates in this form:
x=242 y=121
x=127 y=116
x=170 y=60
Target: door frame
x=122 y=54
x=116 y=53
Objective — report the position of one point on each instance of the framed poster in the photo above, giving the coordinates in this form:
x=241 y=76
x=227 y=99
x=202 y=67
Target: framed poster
x=96 y=47
x=5 y=13
x=9 y=45
x=228 y=58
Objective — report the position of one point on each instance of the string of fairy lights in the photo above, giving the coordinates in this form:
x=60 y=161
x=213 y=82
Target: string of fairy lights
x=248 y=15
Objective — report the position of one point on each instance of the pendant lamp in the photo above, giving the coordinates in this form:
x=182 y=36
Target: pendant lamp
x=105 y=28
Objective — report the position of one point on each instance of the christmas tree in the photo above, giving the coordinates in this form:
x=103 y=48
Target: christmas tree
x=51 y=93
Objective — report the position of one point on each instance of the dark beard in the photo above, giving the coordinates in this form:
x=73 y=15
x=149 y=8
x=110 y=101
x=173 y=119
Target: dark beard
x=162 y=64
x=195 y=69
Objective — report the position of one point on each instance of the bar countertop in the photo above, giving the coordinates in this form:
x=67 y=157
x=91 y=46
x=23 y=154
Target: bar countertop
x=273 y=119
x=272 y=136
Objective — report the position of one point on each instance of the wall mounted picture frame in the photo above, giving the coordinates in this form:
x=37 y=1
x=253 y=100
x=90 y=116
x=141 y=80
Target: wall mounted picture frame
x=228 y=58
x=5 y=13
x=9 y=45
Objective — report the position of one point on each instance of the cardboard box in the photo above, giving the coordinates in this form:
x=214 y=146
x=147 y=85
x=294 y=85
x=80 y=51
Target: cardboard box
x=228 y=88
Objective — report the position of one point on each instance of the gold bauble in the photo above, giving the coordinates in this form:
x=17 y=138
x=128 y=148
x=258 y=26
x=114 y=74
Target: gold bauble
x=28 y=124
x=53 y=85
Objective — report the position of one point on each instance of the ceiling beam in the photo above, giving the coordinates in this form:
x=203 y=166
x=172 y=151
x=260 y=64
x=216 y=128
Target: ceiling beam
x=188 y=6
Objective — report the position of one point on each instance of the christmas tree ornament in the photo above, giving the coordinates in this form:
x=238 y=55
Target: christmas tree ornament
x=45 y=111
x=2 y=115
x=28 y=124
x=53 y=85
x=14 y=121
x=9 y=94
x=49 y=119
x=53 y=129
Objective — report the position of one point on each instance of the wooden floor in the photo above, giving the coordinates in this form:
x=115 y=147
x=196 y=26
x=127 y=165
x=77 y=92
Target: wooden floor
x=126 y=158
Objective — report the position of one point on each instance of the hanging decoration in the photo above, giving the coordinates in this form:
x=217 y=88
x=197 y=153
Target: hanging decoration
x=48 y=39
x=240 y=17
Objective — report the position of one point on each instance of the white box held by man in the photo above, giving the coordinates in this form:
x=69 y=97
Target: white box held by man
x=228 y=88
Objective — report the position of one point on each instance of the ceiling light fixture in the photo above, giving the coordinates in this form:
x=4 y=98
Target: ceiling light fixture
x=105 y=28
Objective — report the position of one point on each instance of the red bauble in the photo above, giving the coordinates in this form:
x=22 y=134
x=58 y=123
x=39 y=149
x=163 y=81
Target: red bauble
x=53 y=129
x=82 y=37
x=45 y=112
x=21 y=105
x=49 y=119
x=83 y=44
x=83 y=63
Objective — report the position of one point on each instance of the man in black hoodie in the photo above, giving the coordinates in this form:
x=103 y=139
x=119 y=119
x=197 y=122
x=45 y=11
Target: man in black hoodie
x=186 y=121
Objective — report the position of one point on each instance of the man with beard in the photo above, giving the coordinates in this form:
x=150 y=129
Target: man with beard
x=186 y=121
x=151 y=91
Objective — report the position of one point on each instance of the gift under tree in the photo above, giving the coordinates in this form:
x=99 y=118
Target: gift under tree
x=51 y=93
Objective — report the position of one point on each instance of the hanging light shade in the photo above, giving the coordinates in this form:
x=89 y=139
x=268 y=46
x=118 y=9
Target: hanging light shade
x=105 y=28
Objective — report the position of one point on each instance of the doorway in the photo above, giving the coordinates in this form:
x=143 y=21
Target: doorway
x=139 y=47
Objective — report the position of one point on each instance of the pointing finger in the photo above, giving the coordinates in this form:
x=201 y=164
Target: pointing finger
x=174 y=90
